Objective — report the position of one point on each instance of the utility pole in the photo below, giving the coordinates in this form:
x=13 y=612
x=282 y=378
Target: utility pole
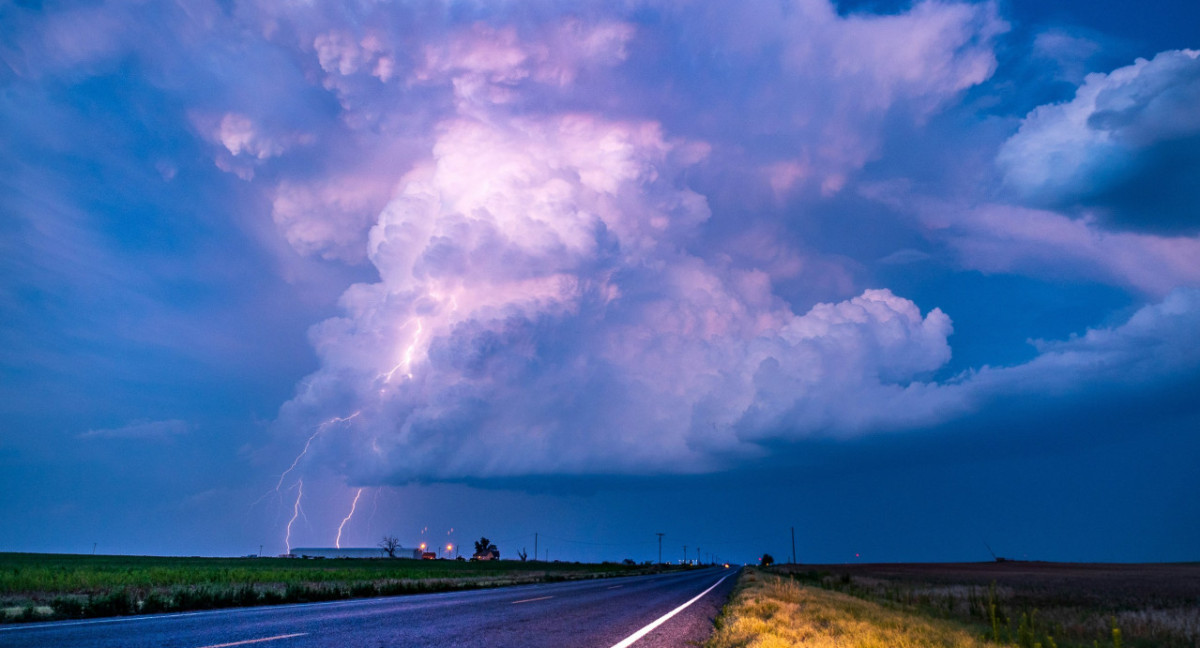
x=94 y=548
x=685 y=554
x=793 y=545
x=697 y=555
x=659 y=547
x=260 y=551
x=535 y=554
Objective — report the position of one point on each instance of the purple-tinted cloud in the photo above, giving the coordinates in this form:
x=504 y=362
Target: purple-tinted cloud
x=550 y=283
x=540 y=310
x=998 y=238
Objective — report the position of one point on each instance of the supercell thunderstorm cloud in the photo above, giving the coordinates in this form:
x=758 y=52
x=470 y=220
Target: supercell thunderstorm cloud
x=385 y=244
x=542 y=307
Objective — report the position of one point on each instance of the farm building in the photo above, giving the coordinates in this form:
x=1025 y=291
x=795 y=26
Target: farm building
x=373 y=552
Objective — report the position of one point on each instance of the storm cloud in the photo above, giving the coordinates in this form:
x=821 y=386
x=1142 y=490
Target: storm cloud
x=533 y=243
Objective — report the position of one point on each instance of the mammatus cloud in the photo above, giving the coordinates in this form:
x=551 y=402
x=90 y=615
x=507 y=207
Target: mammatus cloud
x=1126 y=149
x=142 y=429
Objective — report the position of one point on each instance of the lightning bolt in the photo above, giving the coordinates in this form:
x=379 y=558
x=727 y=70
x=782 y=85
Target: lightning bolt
x=320 y=428
x=406 y=362
x=287 y=538
x=338 y=543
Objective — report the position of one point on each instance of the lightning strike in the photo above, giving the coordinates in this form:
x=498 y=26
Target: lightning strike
x=338 y=542
x=287 y=538
x=406 y=362
x=320 y=428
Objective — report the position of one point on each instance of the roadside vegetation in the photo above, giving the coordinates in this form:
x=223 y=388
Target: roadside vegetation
x=772 y=611
x=39 y=587
x=1025 y=605
x=1032 y=604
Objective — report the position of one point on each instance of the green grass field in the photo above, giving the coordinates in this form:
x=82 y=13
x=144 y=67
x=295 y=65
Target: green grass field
x=44 y=586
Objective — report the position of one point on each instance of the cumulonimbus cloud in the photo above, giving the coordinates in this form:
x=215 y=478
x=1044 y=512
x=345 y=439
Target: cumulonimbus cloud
x=542 y=307
x=539 y=310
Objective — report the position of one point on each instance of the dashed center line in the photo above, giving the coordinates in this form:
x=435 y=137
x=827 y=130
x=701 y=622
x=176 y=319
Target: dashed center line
x=540 y=598
x=616 y=587
x=254 y=641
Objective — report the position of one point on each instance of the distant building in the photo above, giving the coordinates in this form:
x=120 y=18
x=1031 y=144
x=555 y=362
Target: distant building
x=374 y=552
x=491 y=553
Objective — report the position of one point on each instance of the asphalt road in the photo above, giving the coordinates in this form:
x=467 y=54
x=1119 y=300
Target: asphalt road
x=602 y=613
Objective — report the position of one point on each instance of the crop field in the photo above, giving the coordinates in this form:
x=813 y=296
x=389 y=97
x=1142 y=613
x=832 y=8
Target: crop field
x=53 y=586
x=1029 y=604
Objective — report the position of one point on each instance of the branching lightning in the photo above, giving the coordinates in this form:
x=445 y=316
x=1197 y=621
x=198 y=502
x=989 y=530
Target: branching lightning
x=297 y=511
x=287 y=539
x=338 y=542
x=320 y=428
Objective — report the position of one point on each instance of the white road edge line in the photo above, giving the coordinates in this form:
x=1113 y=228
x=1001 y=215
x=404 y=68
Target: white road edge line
x=616 y=587
x=254 y=641
x=663 y=619
x=540 y=598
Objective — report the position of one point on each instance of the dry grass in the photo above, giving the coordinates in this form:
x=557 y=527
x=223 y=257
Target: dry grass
x=1078 y=605
x=770 y=612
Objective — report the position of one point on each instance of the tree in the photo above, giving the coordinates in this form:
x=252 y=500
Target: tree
x=485 y=546
x=389 y=544
x=522 y=554
x=767 y=560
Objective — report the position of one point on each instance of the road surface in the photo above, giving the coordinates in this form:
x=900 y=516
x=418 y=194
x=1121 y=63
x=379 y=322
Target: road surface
x=604 y=613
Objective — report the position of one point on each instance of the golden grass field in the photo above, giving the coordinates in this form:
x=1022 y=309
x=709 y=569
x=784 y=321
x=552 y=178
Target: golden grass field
x=1005 y=603
x=770 y=611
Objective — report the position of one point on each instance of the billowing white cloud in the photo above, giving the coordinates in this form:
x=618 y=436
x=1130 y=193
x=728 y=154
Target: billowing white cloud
x=1126 y=148
x=539 y=309
x=538 y=312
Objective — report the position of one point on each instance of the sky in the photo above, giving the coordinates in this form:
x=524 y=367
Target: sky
x=916 y=281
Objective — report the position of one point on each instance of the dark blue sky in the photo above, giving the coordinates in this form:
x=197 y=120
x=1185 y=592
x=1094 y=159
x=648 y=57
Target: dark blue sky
x=913 y=279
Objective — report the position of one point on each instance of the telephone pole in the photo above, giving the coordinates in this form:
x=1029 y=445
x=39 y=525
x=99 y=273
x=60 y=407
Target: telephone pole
x=793 y=545
x=697 y=555
x=659 y=547
x=685 y=554
x=535 y=553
